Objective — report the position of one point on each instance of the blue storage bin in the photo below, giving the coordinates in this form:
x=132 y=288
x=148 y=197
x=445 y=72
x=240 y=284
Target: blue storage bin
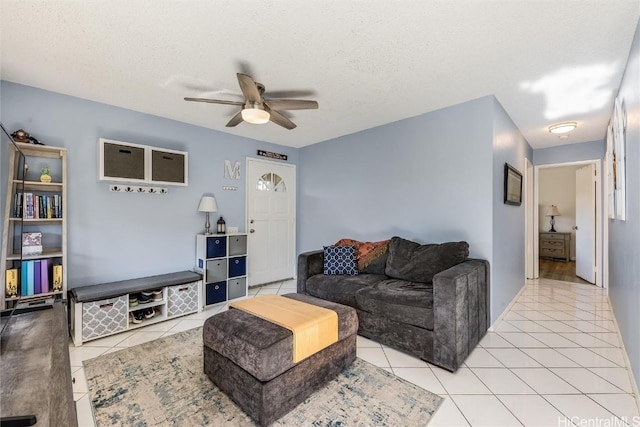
x=216 y=292
x=237 y=266
x=216 y=246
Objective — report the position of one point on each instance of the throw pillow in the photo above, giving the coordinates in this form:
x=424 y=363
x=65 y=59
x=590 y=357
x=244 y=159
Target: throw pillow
x=419 y=263
x=371 y=257
x=340 y=260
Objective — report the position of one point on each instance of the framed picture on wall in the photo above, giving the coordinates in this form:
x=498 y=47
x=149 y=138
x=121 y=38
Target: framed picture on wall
x=619 y=160
x=512 y=185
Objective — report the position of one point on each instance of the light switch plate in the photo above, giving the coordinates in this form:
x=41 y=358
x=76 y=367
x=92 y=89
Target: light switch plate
x=232 y=230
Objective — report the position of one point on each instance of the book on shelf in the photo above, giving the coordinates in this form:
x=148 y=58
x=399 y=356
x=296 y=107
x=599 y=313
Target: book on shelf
x=37 y=277
x=34 y=277
x=11 y=283
x=31 y=243
x=35 y=206
x=44 y=275
x=27 y=286
x=24 y=290
x=57 y=277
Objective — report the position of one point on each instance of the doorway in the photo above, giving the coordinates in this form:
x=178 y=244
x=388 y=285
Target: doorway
x=570 y=225
x=271 y=221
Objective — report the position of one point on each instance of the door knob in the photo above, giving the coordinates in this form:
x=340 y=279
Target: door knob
x=252 y=231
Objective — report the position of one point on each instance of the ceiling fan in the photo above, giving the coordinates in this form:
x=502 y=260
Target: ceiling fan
x=256 y=108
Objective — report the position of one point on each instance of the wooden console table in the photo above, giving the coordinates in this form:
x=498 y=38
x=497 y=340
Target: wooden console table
x=36 y=373
x=555 y=245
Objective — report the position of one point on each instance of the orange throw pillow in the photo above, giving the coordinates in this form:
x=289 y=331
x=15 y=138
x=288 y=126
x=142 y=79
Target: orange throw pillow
x=366 y=252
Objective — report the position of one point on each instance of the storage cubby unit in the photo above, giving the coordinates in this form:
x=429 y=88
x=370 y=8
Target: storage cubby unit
x=141 y=164
x=222 y=261
x=98 y=311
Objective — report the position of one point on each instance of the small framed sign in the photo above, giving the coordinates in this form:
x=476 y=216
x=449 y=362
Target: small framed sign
x=272 y=155
x=512 y=185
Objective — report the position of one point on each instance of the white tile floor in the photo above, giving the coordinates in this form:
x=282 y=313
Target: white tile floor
x=553 y=359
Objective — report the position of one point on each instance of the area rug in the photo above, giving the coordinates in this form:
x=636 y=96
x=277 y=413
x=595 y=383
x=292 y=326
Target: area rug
x=162 y=383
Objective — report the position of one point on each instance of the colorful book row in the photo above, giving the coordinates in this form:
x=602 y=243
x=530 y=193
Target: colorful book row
x=34 y=206
x=35 y=277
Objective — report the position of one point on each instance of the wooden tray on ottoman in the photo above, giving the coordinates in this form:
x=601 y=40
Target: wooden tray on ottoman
x=251 y=360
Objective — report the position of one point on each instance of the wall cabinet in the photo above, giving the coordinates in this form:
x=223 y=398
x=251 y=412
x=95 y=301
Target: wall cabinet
x=222 y=261
x=127 y=162
x=39 y=209
x=555 y=245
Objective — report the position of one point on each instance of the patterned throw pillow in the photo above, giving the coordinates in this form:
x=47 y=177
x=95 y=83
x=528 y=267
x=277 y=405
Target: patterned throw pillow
x=371 y=257
x=340 y=260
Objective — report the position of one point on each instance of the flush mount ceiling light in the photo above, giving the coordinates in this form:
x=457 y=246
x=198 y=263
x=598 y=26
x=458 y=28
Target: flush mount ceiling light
x=256 y=115
x=563 y=127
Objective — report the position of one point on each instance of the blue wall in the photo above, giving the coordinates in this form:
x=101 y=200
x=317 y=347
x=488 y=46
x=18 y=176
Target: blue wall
x=440 y=180
x=508 y=258
x=570 y=153
x=624 y=236
x=114 y=236
x=426 y=178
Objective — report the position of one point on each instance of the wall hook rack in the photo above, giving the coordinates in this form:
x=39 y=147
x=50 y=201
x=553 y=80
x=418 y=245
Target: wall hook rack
x=137 y=189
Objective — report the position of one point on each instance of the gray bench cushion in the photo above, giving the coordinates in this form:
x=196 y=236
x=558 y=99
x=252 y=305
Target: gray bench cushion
x=113 y=289
x=260 y=347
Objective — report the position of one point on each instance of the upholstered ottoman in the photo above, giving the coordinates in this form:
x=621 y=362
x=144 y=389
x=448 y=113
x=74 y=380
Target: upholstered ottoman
x=251 y=360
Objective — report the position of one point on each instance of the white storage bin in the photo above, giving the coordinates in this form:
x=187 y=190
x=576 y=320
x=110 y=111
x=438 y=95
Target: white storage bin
x=104 y=317
x=182 y=299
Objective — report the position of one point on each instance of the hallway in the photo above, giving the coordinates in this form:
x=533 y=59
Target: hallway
x=560 y=270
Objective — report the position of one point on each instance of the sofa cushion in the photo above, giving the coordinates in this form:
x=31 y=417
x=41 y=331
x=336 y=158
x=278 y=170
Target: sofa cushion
x=371 y=257
x=340 y=260
x=414 y=262
x=340 y=289
x=399 y=300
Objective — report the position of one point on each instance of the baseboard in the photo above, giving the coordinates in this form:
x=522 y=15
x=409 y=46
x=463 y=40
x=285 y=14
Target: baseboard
x=508 y=307
x=632 y=379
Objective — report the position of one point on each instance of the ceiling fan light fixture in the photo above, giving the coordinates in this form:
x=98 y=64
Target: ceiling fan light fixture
x=256 y=116
x=563 y=127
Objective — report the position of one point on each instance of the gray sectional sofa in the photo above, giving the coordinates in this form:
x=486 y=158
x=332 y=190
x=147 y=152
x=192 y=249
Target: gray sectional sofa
x=430 y=301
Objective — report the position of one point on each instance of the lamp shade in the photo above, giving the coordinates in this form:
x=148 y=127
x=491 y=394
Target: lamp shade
x=553 y=211
x=208 y=204
x=257 y=116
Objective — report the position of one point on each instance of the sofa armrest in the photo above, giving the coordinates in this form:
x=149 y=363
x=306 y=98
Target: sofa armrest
x=309 y=264
x=461 y=311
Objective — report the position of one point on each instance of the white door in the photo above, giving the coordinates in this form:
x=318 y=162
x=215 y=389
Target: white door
x=271 y=220
x=528 y=220
x=586 y=223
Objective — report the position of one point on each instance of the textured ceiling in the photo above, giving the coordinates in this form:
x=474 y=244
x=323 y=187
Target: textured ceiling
x=367 y=63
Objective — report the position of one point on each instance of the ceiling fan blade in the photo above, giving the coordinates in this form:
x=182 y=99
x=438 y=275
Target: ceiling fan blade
x=214 y=101
x=235 y=120
x=281 y=120
x=249 y=88
x=289 y=93
x=291 y=104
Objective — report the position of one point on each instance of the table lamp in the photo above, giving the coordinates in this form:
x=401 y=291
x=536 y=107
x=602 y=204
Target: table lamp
x=207 y=205
x=553 y=212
